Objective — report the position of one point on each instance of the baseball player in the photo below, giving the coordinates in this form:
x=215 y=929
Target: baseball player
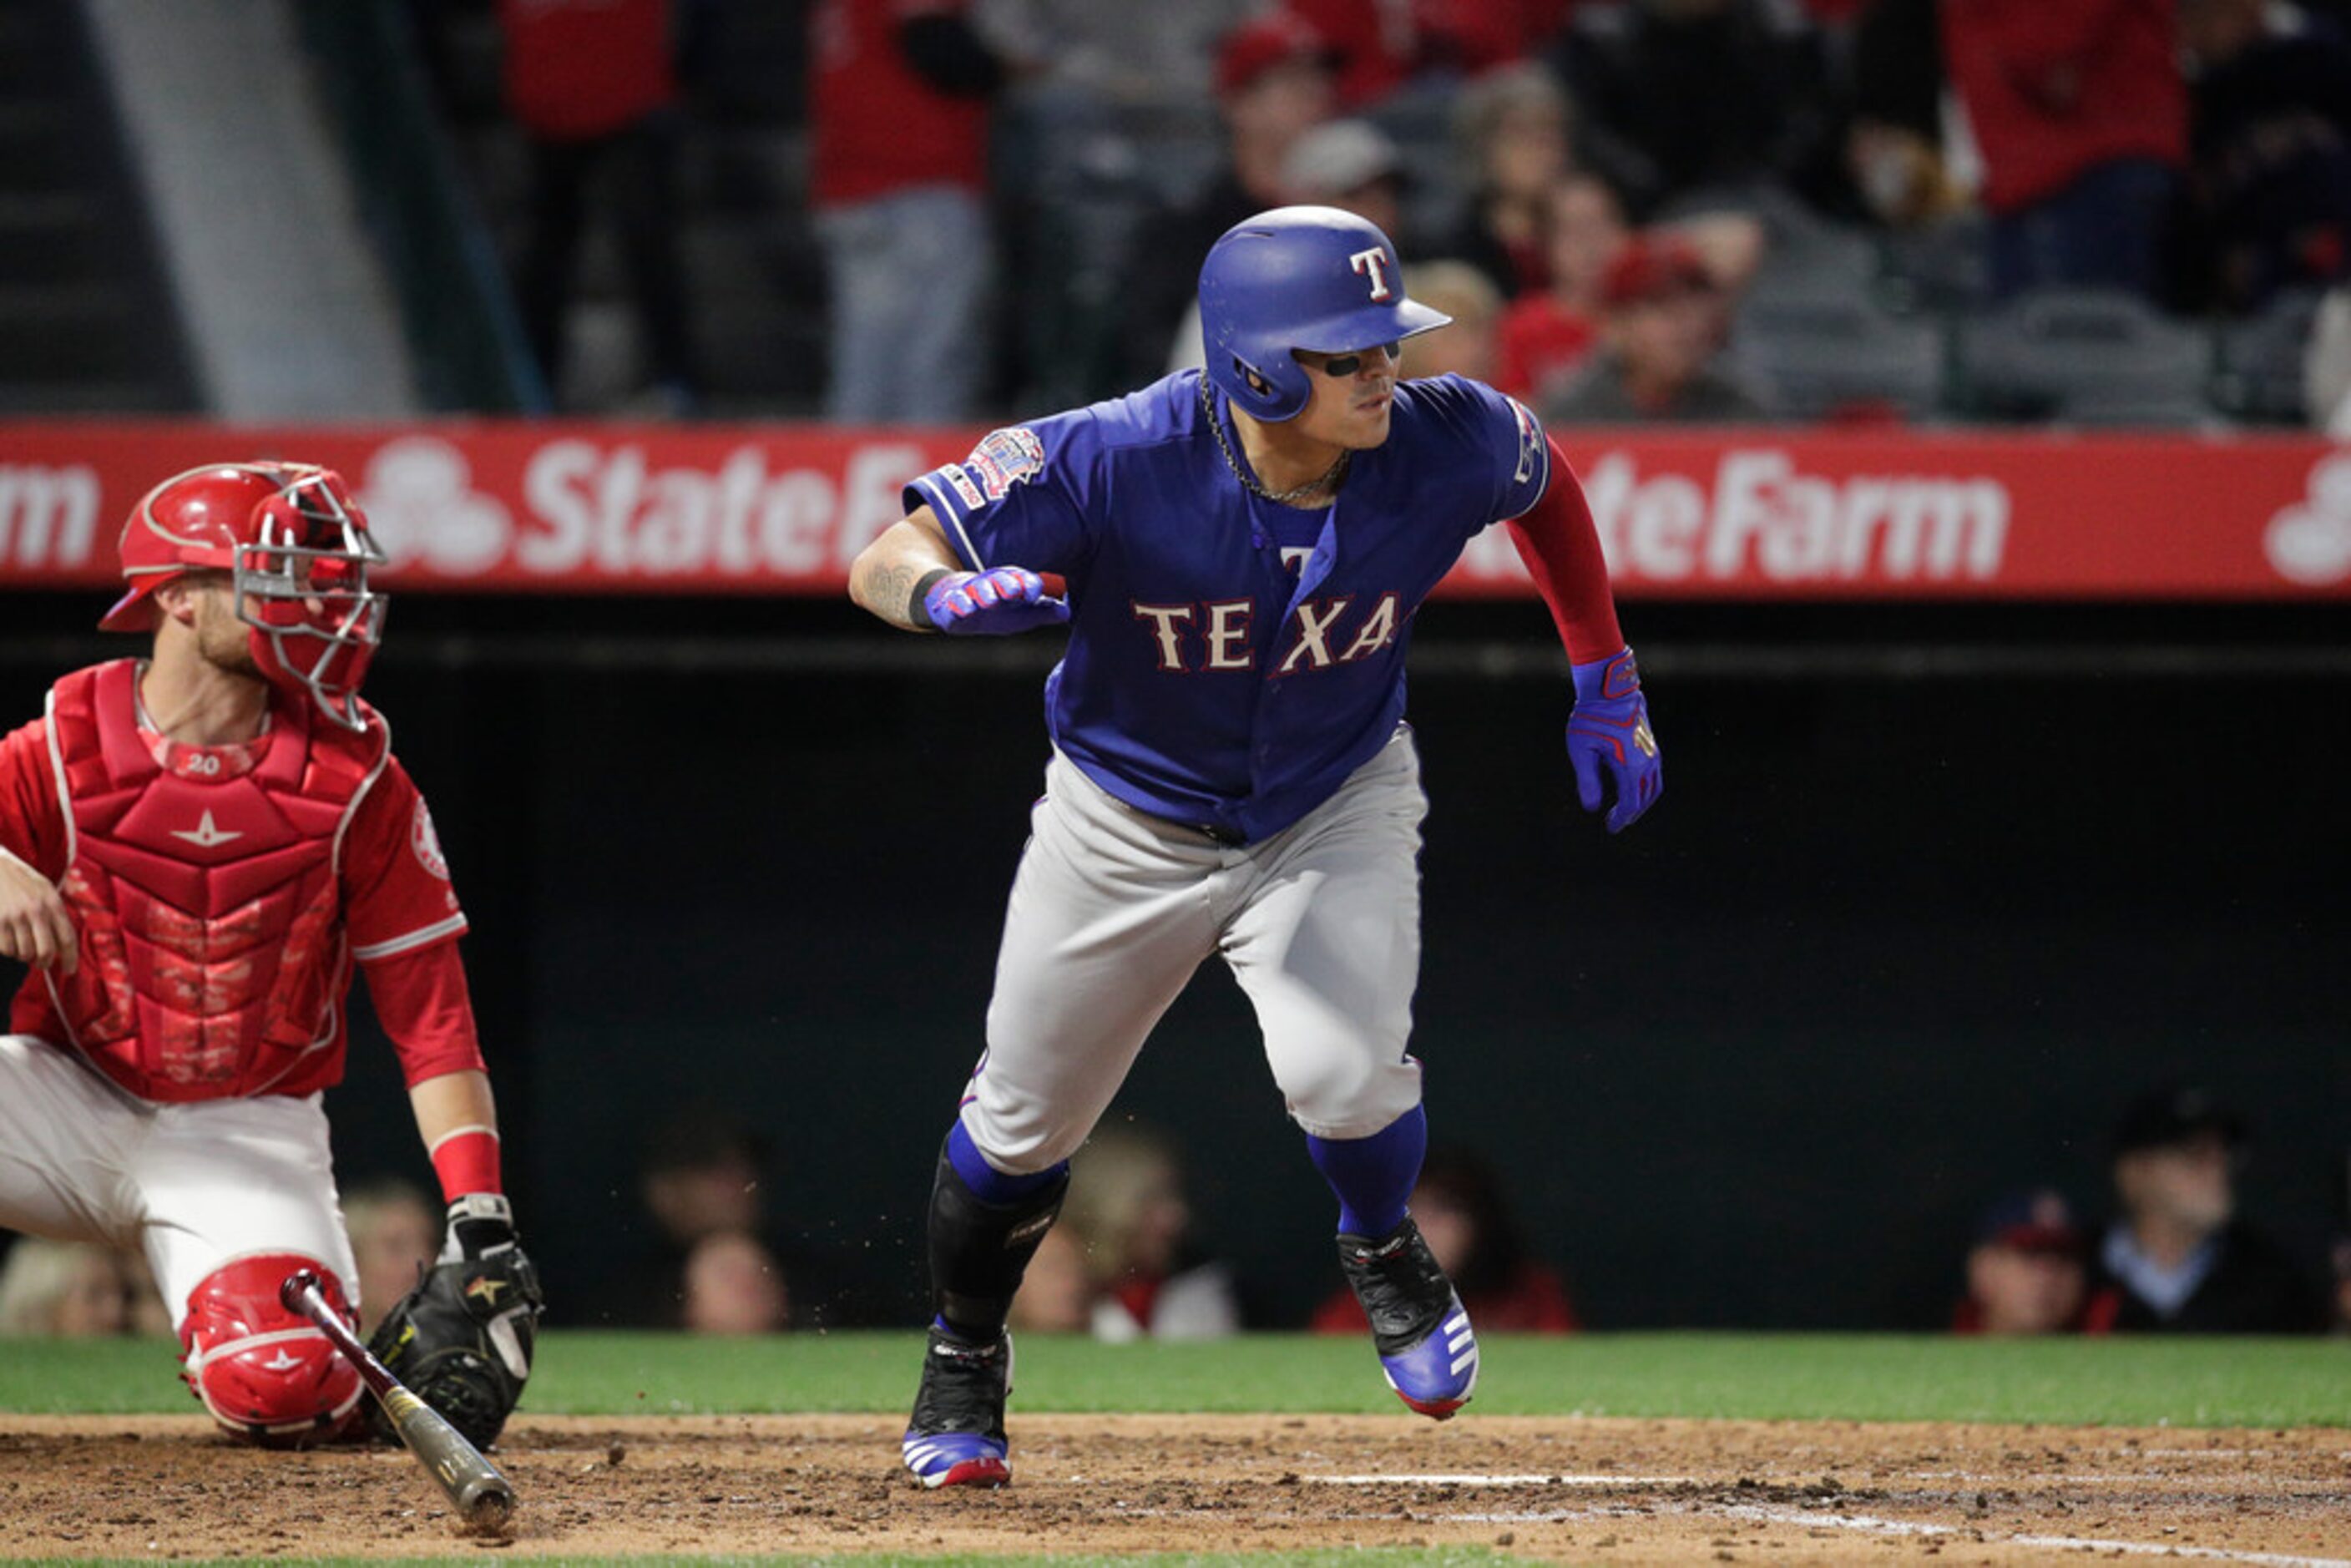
x=195 y=848
x=1241 y=553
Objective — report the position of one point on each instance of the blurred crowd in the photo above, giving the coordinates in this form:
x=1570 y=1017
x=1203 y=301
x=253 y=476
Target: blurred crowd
x=1627 y=205
x=1126 y=1261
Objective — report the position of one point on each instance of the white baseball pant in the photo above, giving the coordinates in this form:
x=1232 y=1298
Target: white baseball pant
x=1112 y=910
x=192 y=1185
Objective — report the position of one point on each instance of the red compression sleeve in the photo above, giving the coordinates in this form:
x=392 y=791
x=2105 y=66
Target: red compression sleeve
x=467 y=1161
x=1562 y=548
x=421 y=999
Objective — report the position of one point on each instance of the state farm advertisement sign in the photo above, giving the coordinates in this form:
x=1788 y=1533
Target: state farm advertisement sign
x=532 y=507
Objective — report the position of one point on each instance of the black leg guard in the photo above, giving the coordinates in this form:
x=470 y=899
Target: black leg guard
x=980 y=1250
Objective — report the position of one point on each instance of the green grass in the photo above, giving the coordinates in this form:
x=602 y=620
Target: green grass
x=1862 y=1377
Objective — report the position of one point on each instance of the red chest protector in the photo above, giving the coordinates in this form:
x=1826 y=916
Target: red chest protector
x=213 y=962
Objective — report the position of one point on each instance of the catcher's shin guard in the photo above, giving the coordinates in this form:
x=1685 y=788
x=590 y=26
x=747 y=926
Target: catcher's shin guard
x=267 y=1374
x=1427 y=1347
x=979 y=1249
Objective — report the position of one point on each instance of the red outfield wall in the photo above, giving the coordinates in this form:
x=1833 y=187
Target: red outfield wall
x=781 y=508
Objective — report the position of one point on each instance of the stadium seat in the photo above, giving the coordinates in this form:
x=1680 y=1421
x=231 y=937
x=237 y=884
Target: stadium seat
x=2082 y=356
x=1824 y=356
x=2257 y=369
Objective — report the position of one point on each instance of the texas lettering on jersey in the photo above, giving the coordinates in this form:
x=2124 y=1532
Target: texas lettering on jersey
x=1176 y=571
x=1195 y=638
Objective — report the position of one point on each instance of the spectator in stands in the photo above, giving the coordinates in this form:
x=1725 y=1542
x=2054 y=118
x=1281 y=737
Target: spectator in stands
x=1663 y=324
x=2025 y=1273
x=1548 y=335
x=1127 y=1212
x=2270 y=136
x=1346 y=163
x=1700 y=98
x=2177 y=1257
x=701 y=1180
x=733 y=1285
x=1894 y=145
x=593 y=85
x=63 y=1290
x=1459 y=1207
x=1471 y=346
x=1382 y=45
x=2080 y=116
x=1112 y=54
x=1349 y=164
x=395 y=1233
x=1273 y=85
x=1514 y=128
x=898 y=177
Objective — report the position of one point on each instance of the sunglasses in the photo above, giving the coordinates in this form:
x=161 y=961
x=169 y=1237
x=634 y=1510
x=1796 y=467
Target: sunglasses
x=1341 y=366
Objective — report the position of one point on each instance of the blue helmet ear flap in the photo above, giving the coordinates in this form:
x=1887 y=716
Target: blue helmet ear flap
x=1256 y=391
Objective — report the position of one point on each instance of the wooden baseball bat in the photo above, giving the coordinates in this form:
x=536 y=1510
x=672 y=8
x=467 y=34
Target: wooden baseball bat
x=480 y=1494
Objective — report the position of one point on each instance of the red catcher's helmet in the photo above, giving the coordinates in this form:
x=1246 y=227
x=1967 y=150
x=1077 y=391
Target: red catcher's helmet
x=299 y=547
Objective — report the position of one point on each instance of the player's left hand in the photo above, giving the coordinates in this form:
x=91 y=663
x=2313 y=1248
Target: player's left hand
x=463 y=1339
x=1608 y=732
x=1002 y=599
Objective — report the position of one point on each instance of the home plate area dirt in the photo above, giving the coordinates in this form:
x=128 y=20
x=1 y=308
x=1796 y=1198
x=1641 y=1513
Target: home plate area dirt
x=1542 y=1488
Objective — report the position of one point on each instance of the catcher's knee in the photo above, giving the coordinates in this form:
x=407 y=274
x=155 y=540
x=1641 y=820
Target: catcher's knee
x=266 y=1373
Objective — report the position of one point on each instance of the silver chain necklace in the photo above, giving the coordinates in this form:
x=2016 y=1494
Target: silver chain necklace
x=1330 y=478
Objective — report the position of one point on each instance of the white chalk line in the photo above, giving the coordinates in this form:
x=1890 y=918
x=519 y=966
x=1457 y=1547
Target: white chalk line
x=1801 y=1518
x=1447 y=1480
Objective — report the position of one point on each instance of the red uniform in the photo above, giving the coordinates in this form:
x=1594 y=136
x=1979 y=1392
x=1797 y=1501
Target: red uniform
x=879 y=126
x=2054 y=88
x=577 y=70
x=222 y=894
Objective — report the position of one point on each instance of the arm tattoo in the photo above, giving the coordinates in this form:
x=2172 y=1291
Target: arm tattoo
x=889 y=591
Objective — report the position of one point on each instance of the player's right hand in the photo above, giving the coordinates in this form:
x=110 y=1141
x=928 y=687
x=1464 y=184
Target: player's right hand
x=991 y=603
x=34 y=926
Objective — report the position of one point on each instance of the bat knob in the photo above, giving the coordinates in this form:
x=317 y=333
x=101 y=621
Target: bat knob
x=487 y=1506
x=291 y=1292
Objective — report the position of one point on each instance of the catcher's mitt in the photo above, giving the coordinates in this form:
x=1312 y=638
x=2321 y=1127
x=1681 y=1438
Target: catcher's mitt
x=462 y=1341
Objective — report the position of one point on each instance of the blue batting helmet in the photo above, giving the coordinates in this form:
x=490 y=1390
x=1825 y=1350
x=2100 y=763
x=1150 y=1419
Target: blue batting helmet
x=1298 y=277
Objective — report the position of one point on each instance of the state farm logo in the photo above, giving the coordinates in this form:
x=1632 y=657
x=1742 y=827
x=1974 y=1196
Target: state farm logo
x=1763 y=519
x=422 y=506
x=582 y=507
x=2309 y=542
x=48 y=517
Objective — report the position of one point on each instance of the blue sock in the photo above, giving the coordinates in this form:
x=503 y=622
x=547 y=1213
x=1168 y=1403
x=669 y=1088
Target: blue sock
x=1374 y=1175
x=986 y=1183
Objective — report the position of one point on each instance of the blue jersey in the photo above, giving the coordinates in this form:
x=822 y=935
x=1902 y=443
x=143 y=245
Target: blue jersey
x=1231 y=660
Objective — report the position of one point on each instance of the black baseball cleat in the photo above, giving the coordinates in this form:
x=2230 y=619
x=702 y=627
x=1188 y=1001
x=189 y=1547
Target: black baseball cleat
x=956 y=1437
x=1426 y=1346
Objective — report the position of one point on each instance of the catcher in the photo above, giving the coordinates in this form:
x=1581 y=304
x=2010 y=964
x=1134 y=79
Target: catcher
x=195 y=848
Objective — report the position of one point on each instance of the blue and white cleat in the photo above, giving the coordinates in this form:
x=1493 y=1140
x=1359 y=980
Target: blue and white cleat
x=1427 y=1347
x=956 y=1437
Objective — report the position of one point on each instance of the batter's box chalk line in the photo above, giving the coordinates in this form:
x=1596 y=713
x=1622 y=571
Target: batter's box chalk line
x=1798 y=1517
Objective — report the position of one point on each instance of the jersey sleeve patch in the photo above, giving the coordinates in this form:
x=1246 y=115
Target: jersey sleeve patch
x=425 y=843
x=1532 y=474
x=1005 y=457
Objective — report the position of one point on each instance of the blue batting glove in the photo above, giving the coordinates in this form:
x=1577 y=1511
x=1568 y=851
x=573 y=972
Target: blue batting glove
x=1609 y=729
x=1002 y=599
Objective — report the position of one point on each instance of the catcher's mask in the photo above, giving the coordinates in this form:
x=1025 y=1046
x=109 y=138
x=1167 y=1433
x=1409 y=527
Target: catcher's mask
x=298 y=548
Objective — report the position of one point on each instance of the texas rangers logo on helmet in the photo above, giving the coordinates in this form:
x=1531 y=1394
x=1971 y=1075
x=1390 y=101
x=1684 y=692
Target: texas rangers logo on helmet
x=1374 y=264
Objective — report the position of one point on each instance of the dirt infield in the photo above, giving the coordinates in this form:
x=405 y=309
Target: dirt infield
x=1582 y=1491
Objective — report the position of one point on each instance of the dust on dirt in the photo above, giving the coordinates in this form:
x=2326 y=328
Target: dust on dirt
x=1542 y=1487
